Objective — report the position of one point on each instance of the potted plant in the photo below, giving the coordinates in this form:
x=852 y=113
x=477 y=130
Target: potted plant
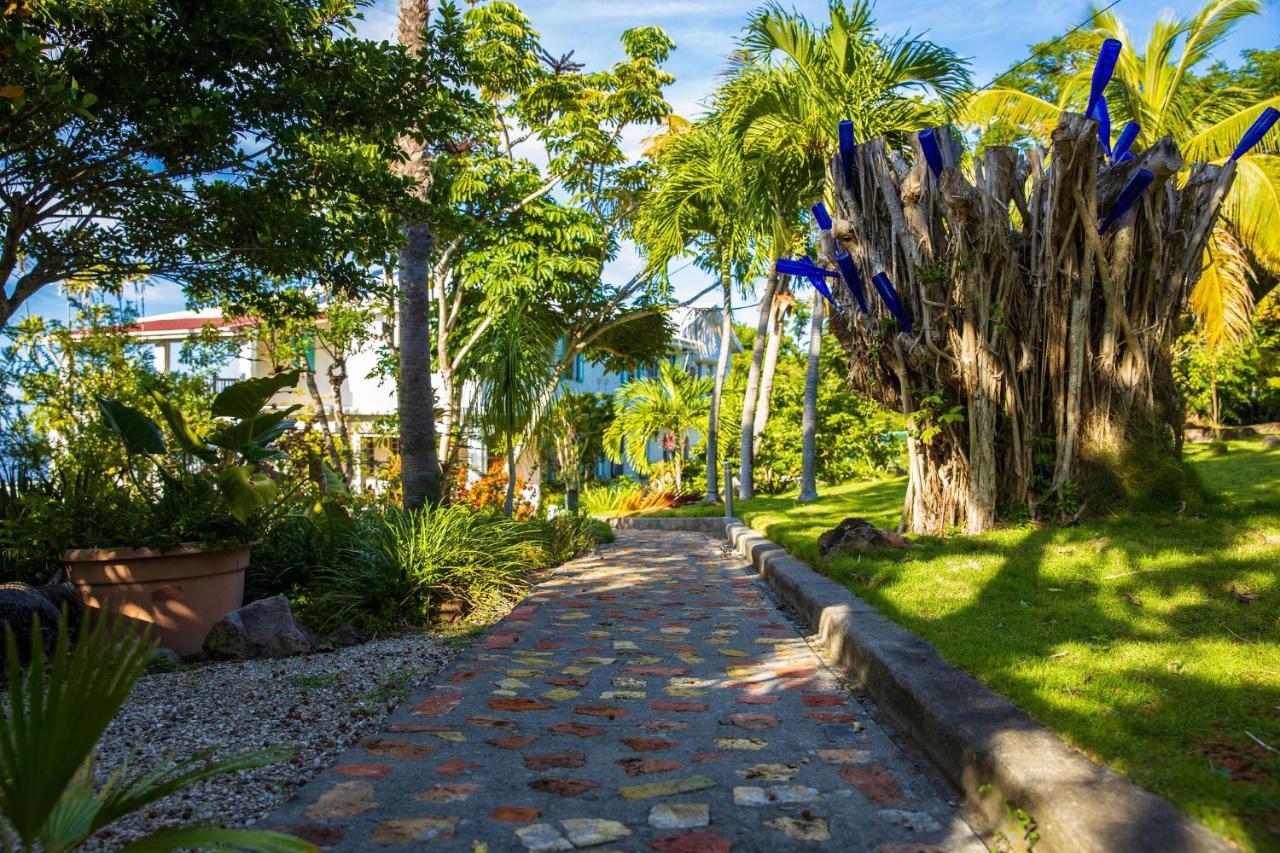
x=194 y=506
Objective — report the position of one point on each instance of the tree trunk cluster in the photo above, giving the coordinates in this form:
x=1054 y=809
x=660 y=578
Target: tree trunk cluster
x=1039 y=355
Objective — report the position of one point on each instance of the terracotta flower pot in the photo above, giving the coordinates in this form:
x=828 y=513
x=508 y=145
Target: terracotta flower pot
x=182 y=591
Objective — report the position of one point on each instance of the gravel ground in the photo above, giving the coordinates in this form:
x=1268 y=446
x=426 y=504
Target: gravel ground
x=315 y=706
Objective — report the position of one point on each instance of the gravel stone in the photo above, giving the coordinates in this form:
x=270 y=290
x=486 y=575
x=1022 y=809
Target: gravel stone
x=314 y=706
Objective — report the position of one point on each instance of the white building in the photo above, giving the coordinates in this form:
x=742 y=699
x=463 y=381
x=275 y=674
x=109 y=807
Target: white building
x=368 y=398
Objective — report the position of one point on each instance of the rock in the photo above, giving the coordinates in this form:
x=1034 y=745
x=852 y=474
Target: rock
x=855 y=535
x=261 y=629
x=164 y=660
x=18 y=604
x=348 y=635
x=1271 y=442
x=63 y=596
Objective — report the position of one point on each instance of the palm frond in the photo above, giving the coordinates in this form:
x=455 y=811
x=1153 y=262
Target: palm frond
x=1015 y=107
x=1253 y=208
x=1222 y=300
x=209 y=837
x=1219 y=139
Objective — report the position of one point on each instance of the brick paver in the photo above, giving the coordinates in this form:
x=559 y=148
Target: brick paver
x=651 y=697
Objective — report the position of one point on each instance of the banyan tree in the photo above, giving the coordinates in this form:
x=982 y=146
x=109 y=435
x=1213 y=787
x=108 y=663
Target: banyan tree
x=1019 y=310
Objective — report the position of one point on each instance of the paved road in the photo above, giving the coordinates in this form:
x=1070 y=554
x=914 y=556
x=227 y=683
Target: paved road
x=652 y=697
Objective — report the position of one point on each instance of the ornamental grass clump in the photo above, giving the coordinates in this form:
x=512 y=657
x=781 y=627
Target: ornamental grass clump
x=400 y=567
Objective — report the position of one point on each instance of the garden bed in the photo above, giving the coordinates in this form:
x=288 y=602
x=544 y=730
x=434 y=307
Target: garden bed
x=1148 y=641
x=314 y=706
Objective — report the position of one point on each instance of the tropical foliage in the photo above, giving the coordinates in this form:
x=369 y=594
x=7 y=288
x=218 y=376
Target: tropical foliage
x=573 y=432
x=147 y=139
x=789 y=84
x=674 y=404
x=56 y=709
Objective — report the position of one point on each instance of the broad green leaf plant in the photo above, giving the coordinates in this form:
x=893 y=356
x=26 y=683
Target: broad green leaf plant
x=236 y=455
x=56 y=710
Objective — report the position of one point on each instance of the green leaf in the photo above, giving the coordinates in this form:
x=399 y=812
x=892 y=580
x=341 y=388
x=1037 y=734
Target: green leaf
x=204 y=837
x=244 y=491
x=245 y=398
x=255 y=433
x=187 y=439
x=120 y=798
x=333 y=482
x=57 y=708
x=139 y=432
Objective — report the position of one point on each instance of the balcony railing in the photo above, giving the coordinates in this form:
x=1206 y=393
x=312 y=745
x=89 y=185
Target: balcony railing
x=221 y=383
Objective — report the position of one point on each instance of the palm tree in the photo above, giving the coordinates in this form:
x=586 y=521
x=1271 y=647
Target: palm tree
x=419 y=465
x=697 y=208
x=513 y=373
x=675 y=402
x=783 y=302
x=1156 y=87
x=574 y=428
x=799 y=80
x=791 y=82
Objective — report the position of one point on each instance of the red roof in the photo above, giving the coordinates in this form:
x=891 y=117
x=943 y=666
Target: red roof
x=189 y=324
x=192 y=323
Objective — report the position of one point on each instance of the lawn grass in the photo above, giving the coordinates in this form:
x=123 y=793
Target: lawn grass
x=1137 y=638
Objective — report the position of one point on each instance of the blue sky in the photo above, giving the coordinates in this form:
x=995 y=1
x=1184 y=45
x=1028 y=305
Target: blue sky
x=992 y=34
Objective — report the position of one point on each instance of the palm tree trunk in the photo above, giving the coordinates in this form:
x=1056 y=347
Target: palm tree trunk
x=746 y=449
x=419 y=465
x=722 y=367
x=510 y=506
x=809 y=419
x=330 y=445
x=777 y=321
x=338 y=380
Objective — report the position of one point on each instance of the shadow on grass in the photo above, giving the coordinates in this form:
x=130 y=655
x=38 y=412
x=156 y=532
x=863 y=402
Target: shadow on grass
x=1149 y=641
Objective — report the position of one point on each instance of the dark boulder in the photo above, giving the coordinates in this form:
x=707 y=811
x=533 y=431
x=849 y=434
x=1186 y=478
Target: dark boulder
x=348 y=635
x=66 y=599
x=18 y=604
x=856 y=535
x=261 y=629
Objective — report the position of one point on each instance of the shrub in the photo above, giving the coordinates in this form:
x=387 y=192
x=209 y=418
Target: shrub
x=490 y=491
x=401 y=568
x=295 y=544
x=568 y=536
x=624 y=497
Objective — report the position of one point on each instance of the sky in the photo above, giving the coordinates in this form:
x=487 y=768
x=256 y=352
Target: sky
x=991 y=34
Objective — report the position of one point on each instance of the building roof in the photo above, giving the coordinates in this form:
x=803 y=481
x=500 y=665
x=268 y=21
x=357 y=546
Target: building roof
x=179 y=325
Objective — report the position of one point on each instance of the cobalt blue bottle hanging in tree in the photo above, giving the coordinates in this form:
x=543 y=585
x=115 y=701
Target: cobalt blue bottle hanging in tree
x=890 y=296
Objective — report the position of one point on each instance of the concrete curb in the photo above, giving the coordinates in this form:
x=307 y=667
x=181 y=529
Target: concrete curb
x=708 y=524
x=1009 y=767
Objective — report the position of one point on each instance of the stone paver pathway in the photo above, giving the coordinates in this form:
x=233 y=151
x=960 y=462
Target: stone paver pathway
x=652 y=697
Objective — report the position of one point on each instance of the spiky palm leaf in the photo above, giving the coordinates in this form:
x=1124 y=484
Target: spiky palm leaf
x=841 y=71
x=58 y=707
x=644 y=409
x=1154 y=87
x=1222 y=298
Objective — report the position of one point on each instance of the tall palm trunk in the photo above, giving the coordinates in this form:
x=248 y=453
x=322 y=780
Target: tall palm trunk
x=746 y=447
x=777 y=322
x=419 y=465
x=722 y=367
x=809 y=419
x=510 y=506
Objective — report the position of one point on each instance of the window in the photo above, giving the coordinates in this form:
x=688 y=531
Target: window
x=579 y=368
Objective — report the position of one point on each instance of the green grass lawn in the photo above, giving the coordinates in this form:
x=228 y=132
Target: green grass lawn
x=1150 y=641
